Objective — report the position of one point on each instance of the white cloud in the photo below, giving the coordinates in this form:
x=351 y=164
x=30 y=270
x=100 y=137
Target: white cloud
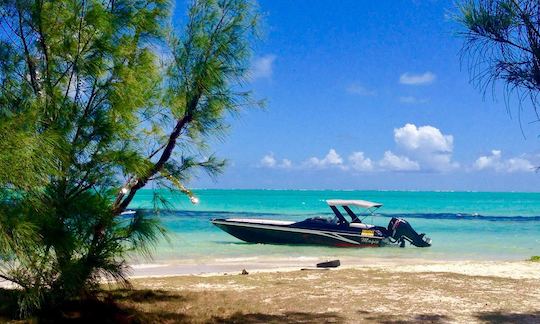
x=424 y=137
x=269 y=161
x=286 y=164
x=359 y=162
x=332 y=159
x=423 y=148
x=262 y=67
x=427 y=145
x=413 y=100
x=419 y=148
x=494 y=161
x=518 y=164
x=357 y=89
x=417 y=79
x=393 y=162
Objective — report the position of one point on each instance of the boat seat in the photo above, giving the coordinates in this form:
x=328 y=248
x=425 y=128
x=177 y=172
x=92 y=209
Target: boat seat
x=361 y=225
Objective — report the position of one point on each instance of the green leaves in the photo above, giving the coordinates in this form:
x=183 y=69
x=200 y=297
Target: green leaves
x=212 y=57
x=502 y=43
x=206 y=71
x=489 y=18
x=28 y=159
x=89 y=115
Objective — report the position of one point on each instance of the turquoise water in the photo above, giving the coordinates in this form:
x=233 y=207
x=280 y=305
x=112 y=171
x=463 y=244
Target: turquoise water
x=462 y=225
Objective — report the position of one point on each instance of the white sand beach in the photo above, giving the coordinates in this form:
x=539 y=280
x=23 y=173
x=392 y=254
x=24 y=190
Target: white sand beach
x=433 y=292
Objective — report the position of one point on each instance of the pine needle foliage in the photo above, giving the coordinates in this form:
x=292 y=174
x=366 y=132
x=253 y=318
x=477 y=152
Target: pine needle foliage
x=99 y=98
x=502 y=43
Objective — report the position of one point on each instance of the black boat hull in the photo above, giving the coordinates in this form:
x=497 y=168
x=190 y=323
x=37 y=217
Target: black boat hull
x=282 y=234
x=336 y=231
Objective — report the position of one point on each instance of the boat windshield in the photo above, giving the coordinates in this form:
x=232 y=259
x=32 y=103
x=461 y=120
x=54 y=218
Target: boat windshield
x=356 y=216
x=362 y=213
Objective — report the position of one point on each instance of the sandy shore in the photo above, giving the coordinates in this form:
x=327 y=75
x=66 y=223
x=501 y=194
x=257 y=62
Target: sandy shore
x=513 y=269
x=399 y=291
x=436 y=292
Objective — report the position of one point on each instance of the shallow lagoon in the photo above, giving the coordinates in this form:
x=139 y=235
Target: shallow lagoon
x=463 y=225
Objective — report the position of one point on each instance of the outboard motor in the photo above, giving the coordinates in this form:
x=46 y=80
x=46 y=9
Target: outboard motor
x=401 y=230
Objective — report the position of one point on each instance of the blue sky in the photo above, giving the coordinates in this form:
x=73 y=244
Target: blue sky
x=372 y=95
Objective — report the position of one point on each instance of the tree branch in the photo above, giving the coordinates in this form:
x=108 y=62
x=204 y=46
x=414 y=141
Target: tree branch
x=29 y=61
x=123 y=201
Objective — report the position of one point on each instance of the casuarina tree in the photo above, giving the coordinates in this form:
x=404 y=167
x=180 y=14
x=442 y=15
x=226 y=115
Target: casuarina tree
x=502 y=43
x=98 y=99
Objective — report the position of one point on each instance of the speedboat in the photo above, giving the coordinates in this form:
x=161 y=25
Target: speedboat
x=333 y=231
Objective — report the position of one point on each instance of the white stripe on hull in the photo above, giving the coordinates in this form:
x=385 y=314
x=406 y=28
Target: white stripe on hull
x=332 y=235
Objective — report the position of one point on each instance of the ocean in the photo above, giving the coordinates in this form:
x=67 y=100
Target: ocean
x=463 y=225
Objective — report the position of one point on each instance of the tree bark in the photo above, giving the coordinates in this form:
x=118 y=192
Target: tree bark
x=122 y=201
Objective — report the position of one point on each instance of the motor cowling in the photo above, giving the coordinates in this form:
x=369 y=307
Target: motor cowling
x=401 y=230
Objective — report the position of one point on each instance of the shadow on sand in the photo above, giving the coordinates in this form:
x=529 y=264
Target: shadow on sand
x=483 y=317
x=160 y=306
x=107 y=307
x=501 y=317
x=400 y=319
x=288 y=317
x=146 y=296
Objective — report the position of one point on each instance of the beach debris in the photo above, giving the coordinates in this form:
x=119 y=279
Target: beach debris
x=329 y=264
x=244 y=272
x=324 y=265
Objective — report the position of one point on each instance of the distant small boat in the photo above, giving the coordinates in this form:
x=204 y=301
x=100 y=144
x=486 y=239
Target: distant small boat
x=334 y=231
